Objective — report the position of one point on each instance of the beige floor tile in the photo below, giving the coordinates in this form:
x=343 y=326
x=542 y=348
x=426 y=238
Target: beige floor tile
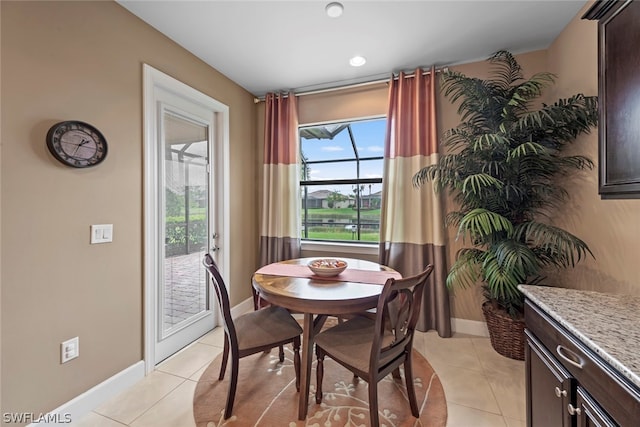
x=467 y=387
x=95 y=420
x=188 y=361
x=452 y=351
x=462 y=416
x=483 y=388
x=461 y=335
x=215 y=337
x=492 y=361
x=515 y=423
x=418 y=341
x=509 y=390
x=196 y=376
x=129 y=405
x=175 y=409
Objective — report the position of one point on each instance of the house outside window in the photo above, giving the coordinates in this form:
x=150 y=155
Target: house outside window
x=341 y=180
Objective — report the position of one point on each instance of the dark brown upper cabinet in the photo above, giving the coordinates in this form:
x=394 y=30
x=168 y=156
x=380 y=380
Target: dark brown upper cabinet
x=619 y=97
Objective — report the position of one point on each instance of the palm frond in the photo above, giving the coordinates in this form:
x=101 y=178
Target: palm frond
x=530 y=89
x=465 y=271
x=505 y=169
x=562 y=248
x=506 y=68
x=525 y=149
x=486 y=141
x=482 y=223
x=501 y=281
x=575 y=162
x=512 y=254
x=477 y=182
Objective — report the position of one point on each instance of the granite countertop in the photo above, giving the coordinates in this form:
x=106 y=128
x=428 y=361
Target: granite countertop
x=608 y=324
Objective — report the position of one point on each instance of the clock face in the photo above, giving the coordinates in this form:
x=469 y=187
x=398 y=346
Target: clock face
x=76 y=144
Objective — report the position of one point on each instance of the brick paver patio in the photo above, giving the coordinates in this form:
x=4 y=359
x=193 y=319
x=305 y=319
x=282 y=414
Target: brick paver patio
x=185 y=287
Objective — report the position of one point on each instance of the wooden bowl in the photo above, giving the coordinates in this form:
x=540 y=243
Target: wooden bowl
x=327 y=267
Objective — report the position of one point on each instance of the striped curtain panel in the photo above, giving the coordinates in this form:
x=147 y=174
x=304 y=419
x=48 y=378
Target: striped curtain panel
x=412 y=231
x=279 y=236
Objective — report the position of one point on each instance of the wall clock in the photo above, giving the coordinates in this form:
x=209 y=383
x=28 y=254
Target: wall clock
x=76 y=144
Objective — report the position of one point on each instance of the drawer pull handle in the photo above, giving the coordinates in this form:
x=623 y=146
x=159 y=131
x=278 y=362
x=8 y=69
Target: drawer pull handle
x=560 y=393
x=570 y=357
x=572 y=410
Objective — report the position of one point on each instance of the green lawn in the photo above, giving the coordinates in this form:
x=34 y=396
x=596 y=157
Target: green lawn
x=344 y=235
x=340 y=218
x=343 y=211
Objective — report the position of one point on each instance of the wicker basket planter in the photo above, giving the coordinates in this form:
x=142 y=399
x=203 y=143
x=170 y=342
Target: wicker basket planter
x=506 y=333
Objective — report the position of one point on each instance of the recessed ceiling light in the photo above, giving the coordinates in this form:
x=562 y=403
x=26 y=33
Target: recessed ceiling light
x=357 y=61
x=334 y=9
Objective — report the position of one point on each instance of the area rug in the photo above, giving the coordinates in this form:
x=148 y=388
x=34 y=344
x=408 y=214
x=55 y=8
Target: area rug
x=266 y=396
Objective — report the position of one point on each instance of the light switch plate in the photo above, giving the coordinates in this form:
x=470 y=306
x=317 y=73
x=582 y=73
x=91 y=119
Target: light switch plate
x=101 y=233
x=69 y=350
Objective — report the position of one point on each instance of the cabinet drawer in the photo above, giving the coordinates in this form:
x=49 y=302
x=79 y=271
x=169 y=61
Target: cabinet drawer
x=617 y=396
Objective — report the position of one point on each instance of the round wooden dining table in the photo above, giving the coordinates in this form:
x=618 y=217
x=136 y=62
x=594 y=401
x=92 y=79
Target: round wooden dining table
x=290 y=284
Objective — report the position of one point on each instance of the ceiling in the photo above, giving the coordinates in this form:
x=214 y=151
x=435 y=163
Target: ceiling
x=281 y=45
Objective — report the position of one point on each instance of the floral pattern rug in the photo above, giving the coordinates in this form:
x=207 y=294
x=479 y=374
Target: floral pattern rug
x=266 y=396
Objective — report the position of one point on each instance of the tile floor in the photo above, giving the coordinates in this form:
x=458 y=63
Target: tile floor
x=483 y=389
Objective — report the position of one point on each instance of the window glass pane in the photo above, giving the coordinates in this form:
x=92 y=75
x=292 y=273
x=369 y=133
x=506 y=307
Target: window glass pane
x=332 y=214
x=345 y=211
x=372 y=169
x=335 y=170
x=186 y=188
x=369 y=136
x=331 y=147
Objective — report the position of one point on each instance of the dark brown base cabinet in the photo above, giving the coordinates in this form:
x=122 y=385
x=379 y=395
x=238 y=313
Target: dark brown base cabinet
x=567 y=384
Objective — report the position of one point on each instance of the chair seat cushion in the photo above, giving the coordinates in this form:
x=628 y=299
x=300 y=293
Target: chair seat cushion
x=265 y=326
x=351 y=341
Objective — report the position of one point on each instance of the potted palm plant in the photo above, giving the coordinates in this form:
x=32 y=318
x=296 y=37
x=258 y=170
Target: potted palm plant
x=505 y=167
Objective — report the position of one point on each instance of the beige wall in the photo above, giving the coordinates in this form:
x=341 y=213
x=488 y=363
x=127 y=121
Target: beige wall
x=611 y=228
x=347 y=104
x=0 y=212
x=83 y=61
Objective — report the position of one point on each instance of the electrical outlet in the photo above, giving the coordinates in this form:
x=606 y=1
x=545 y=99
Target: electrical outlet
x=69 y=349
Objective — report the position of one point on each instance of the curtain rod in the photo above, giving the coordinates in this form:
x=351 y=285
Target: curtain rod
x=354 y=85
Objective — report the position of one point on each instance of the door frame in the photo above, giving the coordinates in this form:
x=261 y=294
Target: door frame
x=153 y=80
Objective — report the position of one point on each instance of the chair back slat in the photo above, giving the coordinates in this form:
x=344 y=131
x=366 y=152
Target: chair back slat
x=222 y=297
x=396 y=318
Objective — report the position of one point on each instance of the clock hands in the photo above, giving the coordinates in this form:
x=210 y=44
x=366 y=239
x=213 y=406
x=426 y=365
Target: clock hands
x=84 y=141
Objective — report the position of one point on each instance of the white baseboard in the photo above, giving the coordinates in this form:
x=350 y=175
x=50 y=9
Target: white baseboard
x=81 y=405
x=470 y=327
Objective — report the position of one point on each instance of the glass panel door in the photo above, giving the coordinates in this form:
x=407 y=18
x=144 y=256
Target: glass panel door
x=184 y=302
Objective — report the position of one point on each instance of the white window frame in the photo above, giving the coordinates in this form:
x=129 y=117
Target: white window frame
x=341 y=246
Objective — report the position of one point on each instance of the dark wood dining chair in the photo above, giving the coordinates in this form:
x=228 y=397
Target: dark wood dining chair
x=372 y=348
x=253 y=332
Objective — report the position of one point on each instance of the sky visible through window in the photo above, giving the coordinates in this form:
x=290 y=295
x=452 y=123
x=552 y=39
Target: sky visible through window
x=369 y=138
